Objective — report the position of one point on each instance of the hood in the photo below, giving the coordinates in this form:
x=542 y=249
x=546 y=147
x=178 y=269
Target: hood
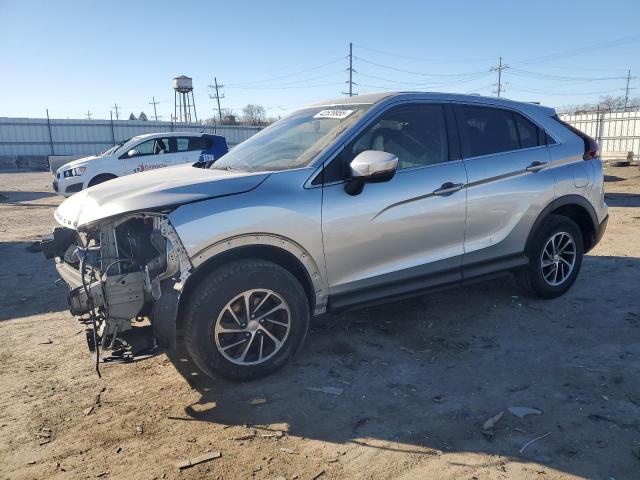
x=151 y=190
x=76 y=163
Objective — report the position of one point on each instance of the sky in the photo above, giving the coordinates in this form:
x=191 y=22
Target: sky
x=74 y=57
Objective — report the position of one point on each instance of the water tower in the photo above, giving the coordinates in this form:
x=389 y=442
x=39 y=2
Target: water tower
x=183 y=86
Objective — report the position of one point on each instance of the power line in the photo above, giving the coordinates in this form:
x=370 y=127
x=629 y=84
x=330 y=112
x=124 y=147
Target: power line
x=433 y=83
x=88 y=114
x=154 y=103
x=422 y=59
x=389 y=67
x=561 y=78
x=115 y=105
x=626 y=90
x=288 y=84
x=288 y=74
x=580 y=50
x=544 y=92
x=351 y=72
x=215 y=87
x=499 y=69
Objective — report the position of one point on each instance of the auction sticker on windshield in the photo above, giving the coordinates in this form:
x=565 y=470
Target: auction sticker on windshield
x=338 y=114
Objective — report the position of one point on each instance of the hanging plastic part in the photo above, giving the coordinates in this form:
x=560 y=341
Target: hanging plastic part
x=92 y=314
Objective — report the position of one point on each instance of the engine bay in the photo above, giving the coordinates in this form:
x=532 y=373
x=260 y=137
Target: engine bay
x=115 y=271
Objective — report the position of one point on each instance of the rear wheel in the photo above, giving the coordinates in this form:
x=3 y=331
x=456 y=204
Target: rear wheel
x=101 y=179
x=246 y=319
x=555 y=257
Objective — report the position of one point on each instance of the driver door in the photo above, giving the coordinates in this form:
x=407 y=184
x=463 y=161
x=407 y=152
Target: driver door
x=404 y=234
x=151 y=154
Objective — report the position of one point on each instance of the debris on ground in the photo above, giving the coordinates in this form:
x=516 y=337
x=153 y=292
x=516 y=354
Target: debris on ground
x=48 y=341
x=198 y=460
x=139 y=430
x=524 y=447
x=318 y=475
x=276 y=434
x=522 y=412
x=45 y=435
x=328 y=390
x=96 y=403
x=438 y=399
x=490 y=423
x=290 y=451
x=258 y=401
x=248 y=436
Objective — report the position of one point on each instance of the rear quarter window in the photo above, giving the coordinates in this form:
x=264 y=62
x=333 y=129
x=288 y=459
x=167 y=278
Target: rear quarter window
x=485 y=130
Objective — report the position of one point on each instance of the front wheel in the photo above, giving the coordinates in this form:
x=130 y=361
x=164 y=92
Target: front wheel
x=555 y=257
x=245 y=320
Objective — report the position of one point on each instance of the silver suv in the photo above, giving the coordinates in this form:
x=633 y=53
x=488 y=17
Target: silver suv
x=344 y=203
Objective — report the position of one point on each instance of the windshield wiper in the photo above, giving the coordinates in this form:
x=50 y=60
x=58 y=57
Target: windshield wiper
x=228 y=168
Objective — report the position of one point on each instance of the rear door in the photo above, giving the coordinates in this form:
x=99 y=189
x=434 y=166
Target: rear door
x=403 y=234
x=506 y=159
x=188 y=149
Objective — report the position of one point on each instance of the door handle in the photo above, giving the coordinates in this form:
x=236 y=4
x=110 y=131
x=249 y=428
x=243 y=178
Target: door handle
x=536 y=166
x=448 y=188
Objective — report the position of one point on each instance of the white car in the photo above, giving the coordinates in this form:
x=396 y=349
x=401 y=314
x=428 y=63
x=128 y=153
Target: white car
x=144 y=152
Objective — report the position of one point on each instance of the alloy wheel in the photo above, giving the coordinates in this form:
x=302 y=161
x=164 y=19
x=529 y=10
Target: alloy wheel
x=558 y=258
x=252 y=327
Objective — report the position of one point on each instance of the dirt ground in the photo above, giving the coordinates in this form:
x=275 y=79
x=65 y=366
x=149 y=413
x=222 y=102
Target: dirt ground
x=416 y=379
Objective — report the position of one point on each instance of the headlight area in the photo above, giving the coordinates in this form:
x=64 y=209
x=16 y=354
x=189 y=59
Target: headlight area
x=74 y=172
x=115 y=271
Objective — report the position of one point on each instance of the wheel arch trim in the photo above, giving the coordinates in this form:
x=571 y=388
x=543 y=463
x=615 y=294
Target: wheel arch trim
x=566 y=201
x=313 y=271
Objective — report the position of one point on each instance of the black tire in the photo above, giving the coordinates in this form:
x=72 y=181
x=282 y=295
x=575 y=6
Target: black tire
x=103 y=177
x=211 y=296
x=532 y=277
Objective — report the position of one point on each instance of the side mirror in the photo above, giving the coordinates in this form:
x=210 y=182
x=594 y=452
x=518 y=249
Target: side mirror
x=370 y=166
x=132 y=153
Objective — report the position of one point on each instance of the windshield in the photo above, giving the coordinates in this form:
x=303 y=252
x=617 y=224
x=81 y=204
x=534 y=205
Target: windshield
x=109 y=151
x=126 y=145
x=294 y=141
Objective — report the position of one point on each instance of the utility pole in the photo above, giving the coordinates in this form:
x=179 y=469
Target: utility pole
x=499 y=69
x=154 y=103
x=626 y=91
x=88 y=114
x=115 y=105
x=217 y=95
x=351 y=72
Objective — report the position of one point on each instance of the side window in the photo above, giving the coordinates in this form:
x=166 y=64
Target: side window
x=530 y=135
x=485 y=130
x=188 y=144
x=182 y=144
x=417 y=134
x=145 y=148
x=197 y=143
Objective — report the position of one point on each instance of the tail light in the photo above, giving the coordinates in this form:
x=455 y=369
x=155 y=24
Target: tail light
x=591 y=147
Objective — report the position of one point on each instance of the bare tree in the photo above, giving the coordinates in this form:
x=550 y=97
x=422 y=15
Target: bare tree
x=606 y=103
x=609 y=102
x=253 y=114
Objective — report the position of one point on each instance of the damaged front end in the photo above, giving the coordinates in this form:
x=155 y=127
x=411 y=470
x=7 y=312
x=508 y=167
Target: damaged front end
x=125 y=270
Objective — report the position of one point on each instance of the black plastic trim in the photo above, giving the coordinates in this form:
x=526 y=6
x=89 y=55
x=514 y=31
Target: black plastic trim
x=561 y=202
x=416 y=285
